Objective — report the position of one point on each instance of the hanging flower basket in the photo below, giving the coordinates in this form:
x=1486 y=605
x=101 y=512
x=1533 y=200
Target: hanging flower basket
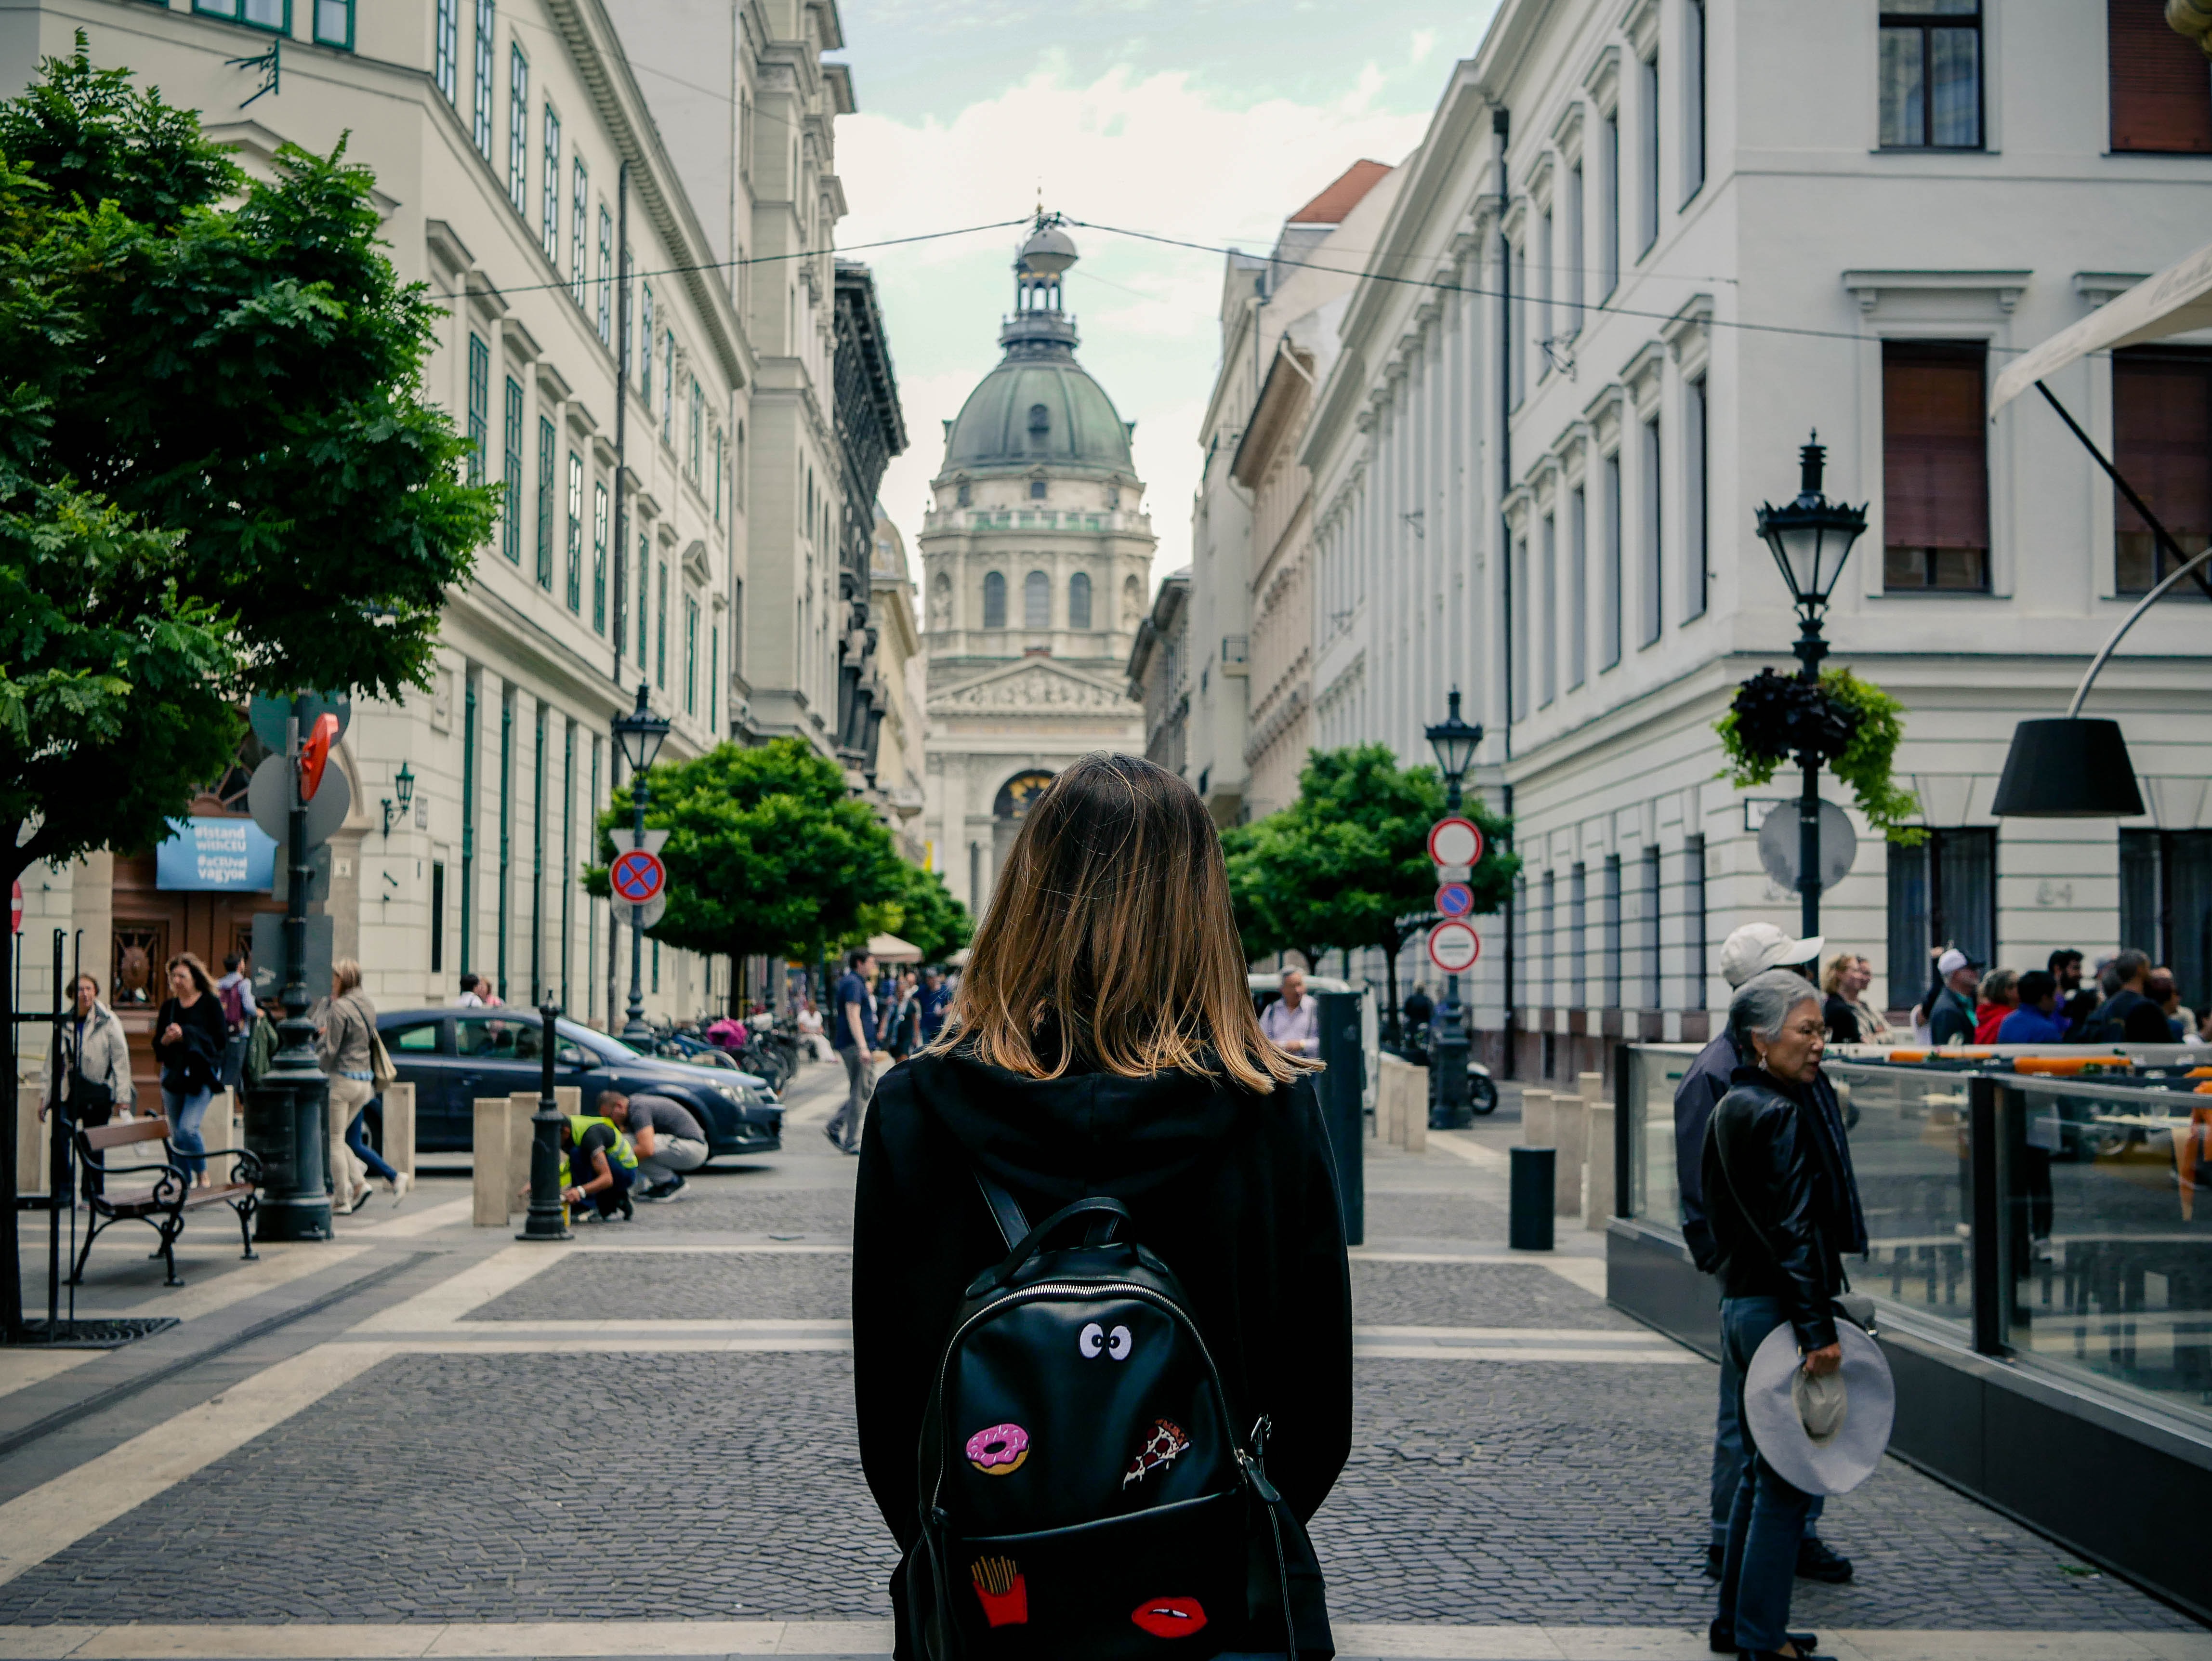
x=1850 y=725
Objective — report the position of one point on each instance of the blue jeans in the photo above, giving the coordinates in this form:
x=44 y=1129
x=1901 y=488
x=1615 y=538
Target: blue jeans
x=357 y=1140
x=1767 y=1520
x=185 y=1113
x=1728 y=1452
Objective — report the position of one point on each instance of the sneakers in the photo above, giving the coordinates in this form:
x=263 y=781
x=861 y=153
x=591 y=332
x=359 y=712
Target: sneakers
x=629 y=1215
x=1721 y=1643
x=1817 y=1561
x=671 y=1189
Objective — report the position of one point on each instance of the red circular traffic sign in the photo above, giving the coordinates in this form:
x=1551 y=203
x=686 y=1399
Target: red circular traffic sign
x=1455 y=841
x=638 y=876
x=1454 y=946
x=1456 y=899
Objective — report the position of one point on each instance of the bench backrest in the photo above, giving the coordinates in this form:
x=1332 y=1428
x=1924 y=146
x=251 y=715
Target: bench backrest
x=99 y=1136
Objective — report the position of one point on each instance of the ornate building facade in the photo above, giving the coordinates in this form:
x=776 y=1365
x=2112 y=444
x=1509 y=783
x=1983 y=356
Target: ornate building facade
x=1036 y=557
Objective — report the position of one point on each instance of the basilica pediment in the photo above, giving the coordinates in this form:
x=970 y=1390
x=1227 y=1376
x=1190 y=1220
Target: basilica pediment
x=1032 y=687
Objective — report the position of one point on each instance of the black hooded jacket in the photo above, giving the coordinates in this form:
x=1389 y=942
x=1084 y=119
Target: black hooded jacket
x=1236 y=1192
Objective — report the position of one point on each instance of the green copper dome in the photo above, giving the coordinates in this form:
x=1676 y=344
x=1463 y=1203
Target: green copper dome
x=1038 y=409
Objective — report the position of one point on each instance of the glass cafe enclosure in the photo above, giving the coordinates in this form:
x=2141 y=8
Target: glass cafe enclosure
x=2041 y=1240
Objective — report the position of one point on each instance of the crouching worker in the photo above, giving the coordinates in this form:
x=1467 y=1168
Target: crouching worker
x=597 y=1164
x=668 y=1140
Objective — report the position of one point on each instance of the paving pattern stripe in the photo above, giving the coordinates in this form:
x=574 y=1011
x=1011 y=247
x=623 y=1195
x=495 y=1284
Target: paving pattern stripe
x=485 y=1339
x=304 y=1641
x=57 y=1514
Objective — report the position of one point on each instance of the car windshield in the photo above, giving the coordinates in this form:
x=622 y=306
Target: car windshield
x=611 y=1049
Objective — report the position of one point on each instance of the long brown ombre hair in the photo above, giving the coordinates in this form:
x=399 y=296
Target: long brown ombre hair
x=1109 y=940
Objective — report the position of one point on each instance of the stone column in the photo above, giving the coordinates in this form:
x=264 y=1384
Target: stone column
x=1570 y=1135
x=1597 y=1111
x=489 y=1162
x=1537 y=1125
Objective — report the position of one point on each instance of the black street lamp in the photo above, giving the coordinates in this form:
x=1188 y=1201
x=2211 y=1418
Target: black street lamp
x=1455 y=742
x=545 y=1222
x=639 y=733
x=402 y=798
x=1810 y=538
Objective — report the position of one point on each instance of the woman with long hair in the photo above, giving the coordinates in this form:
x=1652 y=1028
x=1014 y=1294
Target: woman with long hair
x=1103 y=1044
x=188 y=1035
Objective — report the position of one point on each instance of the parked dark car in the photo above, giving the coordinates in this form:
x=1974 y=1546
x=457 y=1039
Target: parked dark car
x=451 y=1056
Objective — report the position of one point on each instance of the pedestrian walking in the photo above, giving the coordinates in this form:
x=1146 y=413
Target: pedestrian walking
x=345 y=1043
x=89 y=1071
x=1292 y=1022
x=235 y=991
x=2127 y=1015
x=1951 y=1019
x=1750 y=950
x=936 y=1000
x=1104 y=1050
x=188 y=1042
x=904 y=1026
x=1850 y=1018
x=472 y=991
x=1784 y=1208
x=1998 y=996
x=668 y=1140
x=853 y=1036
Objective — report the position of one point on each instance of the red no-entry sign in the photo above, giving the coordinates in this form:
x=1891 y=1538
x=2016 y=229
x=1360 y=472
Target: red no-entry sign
x=638 y=876
x=1455 y=841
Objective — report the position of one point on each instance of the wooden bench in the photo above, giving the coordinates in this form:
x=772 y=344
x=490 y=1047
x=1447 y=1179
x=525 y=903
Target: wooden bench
x=164 y=1204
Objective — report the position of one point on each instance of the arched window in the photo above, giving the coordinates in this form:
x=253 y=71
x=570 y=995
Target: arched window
x=1040 y=420
x=994 y=600
x=1078 y=601
x=963 y=498
x=1036 y=601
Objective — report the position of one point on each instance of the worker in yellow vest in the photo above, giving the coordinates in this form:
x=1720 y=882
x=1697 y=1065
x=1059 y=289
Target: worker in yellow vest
x=597 y=1149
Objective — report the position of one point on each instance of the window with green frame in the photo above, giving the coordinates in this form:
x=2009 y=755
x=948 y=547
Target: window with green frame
x=275 y=15
x=479 y=406
x=575 y=532
x=446 y=49
x=545 y=504
x=334 y=24
x=511 y=471
x=698 y=426
x=690 y=655
x=598 y=559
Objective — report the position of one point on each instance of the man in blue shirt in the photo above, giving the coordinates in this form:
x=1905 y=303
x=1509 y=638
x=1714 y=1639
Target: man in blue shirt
x=852 y=1035
x=936 y=1001
x=2037 y=1020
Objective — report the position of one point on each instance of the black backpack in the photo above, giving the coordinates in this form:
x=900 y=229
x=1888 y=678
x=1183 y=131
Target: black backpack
x=1084 y=1496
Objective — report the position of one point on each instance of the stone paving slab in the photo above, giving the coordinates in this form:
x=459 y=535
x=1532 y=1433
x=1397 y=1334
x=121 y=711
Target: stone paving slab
x=1488 y=1294
x=678 y=1286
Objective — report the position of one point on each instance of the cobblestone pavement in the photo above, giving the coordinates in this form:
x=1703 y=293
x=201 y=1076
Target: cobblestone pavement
x=540 y=1485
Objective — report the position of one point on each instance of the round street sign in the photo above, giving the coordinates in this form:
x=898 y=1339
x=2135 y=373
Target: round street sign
x=638 y=875
x=1455 y=841
x=1454 y=946
x=1456 y=899
x=16 y=911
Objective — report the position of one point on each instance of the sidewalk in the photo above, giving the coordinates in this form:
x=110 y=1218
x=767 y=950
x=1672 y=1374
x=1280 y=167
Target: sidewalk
x=430 y=1440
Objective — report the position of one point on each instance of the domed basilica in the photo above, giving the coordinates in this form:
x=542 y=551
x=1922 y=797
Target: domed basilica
x=1037 y=559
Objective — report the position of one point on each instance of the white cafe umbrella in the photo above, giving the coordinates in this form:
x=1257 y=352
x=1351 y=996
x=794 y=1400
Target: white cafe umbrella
x=2176 y=301
x=889 y=948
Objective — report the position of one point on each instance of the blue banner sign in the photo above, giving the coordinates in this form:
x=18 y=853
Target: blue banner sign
x=219 y=855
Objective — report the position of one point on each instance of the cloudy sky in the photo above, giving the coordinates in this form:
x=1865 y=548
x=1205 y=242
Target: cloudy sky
x=1207 y=120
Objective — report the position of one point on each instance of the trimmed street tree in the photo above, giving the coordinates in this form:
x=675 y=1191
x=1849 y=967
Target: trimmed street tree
x=768 y=852
x=217 y=471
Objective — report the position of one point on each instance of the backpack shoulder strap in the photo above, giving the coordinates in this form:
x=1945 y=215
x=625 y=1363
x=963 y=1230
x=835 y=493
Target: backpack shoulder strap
x=1006 y=1210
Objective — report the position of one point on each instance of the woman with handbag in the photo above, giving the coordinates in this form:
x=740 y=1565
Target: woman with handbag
x=1102 y=1057
x=89 y=1071
x=188 y=1035
x=346 y=1044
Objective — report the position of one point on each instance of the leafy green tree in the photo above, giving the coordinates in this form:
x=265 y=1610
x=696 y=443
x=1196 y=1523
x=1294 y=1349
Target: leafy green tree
x=923 y=913
x=766 y=852
x=1275 y=910
x=1347 y=866
x=217 y=471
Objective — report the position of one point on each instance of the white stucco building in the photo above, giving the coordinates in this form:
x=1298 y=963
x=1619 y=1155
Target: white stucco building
x=1034 y=558
x=1640 y=254
x=513 y=154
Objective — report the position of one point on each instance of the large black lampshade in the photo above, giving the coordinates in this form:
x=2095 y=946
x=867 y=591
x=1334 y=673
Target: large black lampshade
x=2068 y=769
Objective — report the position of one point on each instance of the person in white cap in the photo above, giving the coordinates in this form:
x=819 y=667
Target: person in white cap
x=1750 y=950
x=1952 y=1018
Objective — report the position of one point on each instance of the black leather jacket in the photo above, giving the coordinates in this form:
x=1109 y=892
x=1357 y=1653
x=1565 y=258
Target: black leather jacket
x=1781 y=1200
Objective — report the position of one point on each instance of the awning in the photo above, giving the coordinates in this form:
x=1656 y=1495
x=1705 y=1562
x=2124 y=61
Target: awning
x=2176 y=301
x=889 y=948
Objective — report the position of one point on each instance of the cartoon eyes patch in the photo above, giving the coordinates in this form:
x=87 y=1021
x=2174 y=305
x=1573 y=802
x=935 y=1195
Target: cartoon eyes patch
x=1001 y=1590
x=1094 y=1338
x=999 y=1449
x=1170 y=1617
x=1166 y=1441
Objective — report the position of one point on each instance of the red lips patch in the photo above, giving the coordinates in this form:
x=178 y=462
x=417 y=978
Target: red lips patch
x=1170 y=1617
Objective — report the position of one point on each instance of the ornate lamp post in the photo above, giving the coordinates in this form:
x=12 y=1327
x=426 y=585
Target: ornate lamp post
x=639 y=733
x=545 y=1222
x=1810 y=538
x=1455 y=742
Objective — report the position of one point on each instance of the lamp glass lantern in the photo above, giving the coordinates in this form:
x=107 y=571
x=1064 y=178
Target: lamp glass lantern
x=1455 y=742
x=403 y=787
x=1811 y=536
x=641 y=733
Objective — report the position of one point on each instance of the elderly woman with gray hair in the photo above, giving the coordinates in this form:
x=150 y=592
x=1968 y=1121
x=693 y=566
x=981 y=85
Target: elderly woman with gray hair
x=1784 y=1207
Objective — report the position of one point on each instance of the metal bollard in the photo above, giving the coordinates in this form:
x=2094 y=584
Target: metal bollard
x=1533 y=1181
x=1342 y=1089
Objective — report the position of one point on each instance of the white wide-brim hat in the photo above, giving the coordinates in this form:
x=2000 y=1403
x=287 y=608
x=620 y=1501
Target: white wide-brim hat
x=1773 y=1413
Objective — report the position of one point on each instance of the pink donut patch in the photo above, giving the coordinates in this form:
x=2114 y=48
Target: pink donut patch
x=999 y=1450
